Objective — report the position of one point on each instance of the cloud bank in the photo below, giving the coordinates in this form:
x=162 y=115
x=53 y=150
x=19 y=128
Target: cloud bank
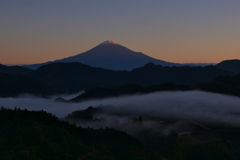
x=194 y=105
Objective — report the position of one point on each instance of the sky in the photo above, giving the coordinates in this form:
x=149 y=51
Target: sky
x=34 y=31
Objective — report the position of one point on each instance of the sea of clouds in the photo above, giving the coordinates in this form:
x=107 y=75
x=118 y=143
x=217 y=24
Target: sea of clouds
x=193 y=105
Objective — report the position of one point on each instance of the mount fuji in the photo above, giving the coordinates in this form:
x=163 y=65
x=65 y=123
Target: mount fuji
x=110 y=55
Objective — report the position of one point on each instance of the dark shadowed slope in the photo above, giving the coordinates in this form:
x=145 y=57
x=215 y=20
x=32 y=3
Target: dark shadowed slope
x=223 y=84
x=35 y=66
x=13 y=85
x=151 y=74
x=230 y=65
x=32 y=135
x=110 y=55
x=229 y=85
x=188 y=141
x=73 y=77
x=14 y=70
x=100 y=93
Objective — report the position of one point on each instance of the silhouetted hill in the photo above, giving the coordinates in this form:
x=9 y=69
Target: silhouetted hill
x=14 y=70
x=74 y=77
x=214 y=143
x=223 y=84
x=151 y=74
x=110 y=55
x=40 y=135
x=13 y=85
x=35 y=66
x=230 y=65
x=100 y=93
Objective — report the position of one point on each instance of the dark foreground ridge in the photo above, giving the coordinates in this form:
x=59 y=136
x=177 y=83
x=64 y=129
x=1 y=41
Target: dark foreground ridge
x=39 y=135
x=190 y=141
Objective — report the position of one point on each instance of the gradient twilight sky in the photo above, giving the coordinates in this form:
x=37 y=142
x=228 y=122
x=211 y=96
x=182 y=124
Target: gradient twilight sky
x=183 y=31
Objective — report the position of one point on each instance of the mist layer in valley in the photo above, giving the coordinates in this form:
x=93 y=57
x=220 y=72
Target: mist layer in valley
x=192 y=105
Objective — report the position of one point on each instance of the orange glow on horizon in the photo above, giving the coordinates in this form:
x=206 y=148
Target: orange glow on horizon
x=176 y=52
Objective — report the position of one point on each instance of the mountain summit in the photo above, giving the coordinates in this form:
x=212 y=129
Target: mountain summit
x=109 y=42
x=111 y=55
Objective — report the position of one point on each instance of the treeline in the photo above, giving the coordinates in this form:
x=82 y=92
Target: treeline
x=217 y=143
x=56 y=78
x=229 y=85
x=100 y=93
x=39 y=135
x=14 y=85
x=76 y=76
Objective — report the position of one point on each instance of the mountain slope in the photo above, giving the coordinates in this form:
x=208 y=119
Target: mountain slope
x=35 y=66
x=39 y=135
x=14 y=70
x=13 y=85
x=222 y=84
x=110 y=55
x=230 y=65
x=101 y=93
x=73 y=77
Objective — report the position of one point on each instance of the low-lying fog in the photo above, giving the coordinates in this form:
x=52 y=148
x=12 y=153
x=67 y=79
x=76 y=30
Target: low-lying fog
x=194 y=105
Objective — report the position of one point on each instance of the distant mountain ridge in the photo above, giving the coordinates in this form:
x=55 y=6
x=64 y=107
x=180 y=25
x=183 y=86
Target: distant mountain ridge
x=14 y=70
x=14 y=85
x=229 y=85
x=101 y=93
x=230 y=65
x=110 y=55
x=73 y=77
